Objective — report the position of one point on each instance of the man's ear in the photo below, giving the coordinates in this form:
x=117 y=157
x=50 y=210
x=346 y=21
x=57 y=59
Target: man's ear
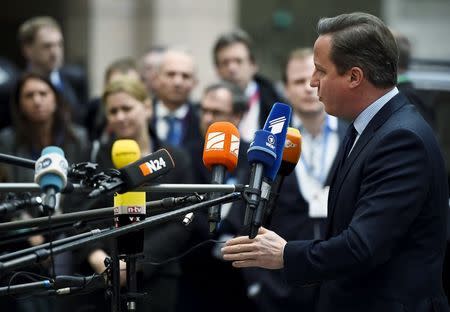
x=356 y=76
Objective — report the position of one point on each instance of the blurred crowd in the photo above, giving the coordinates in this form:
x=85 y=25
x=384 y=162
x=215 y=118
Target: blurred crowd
x=149 y=100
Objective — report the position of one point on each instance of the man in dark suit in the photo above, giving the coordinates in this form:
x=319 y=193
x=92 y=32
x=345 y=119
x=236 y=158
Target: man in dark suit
x=175 y=118
x=42 y=44
x=387 y=207
x=300 y=212
x=235 y=62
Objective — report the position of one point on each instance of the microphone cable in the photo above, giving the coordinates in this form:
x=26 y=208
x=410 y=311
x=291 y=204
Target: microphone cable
x=50 y=233
x=34 y=277
x=157 y=263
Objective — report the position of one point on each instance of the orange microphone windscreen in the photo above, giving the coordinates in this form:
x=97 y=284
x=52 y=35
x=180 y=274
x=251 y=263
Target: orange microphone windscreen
x=221 y=145
x=291 y=152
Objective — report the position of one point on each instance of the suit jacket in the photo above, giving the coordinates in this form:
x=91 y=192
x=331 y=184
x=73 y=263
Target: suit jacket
x=386 y=222
x=190 y=124
x=75 y=90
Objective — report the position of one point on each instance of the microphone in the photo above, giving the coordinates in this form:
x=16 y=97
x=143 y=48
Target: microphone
x=51 y=174
x=220 y=153
x=62 y=285
x=65 y=285
x=16 y=204
x=261 y=154
x=135 y=174
x=276 y=124
x=291 y=155
x=129 y=207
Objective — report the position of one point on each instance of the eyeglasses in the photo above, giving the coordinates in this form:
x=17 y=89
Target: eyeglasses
x=214 y=112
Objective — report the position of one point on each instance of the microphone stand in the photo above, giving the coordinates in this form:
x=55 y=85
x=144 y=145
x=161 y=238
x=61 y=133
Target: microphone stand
x=18 y=236
x=17 y=161
x=46 y=245
x=43 y=253
x=115 y=277
x=162 y=205
x=132 y=293
x=152 y=188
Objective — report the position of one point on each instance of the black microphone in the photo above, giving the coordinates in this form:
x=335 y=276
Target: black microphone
x=261 y=154
x=265 y=155
x=62 y=285
x=135 y=174
x=16 y=204
x=62 y=281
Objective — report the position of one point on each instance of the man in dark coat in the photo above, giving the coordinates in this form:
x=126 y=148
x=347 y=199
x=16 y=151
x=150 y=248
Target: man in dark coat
x=387 y=208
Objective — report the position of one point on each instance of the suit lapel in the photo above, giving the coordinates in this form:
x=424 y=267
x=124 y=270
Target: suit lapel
x=338 y=177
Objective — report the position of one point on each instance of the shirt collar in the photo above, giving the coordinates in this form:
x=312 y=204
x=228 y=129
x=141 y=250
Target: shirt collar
x=179 y=113
x=55 y=78
x=367 y=114
x=252 y=87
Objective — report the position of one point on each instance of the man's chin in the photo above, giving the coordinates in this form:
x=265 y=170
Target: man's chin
x=311 y=112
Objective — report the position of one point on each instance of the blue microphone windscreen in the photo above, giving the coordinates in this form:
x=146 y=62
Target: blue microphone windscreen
x=52 y=149
x=262 y=149
x=52 y=178
x=277 y=123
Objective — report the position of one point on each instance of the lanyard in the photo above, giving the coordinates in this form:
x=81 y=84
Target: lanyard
x=308 y=166
x=253 y=99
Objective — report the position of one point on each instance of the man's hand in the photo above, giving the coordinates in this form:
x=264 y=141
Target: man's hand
x=264 y=251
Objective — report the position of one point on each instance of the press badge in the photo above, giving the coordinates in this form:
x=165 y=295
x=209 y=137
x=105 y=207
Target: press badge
x=318 y=205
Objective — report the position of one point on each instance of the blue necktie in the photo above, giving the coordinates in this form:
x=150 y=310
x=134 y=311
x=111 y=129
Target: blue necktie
x=349 y=139
x=175 y=130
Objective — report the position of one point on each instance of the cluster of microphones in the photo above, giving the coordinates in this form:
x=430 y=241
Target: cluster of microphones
x=272 y=155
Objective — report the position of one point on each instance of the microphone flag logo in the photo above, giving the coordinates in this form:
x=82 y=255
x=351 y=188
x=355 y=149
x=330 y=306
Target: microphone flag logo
x=151 y=166
x=234 y=147
x=216 y=141
x=276 y=125
x=289 y=144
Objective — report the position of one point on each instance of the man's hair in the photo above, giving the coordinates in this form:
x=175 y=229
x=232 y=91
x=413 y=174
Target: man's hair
x=178 y=50
x=238 y=97
x=29 y=29
x=362 y=40
x=297 y=54
x=123 y=65
x=155 y=49
x=227 y=39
